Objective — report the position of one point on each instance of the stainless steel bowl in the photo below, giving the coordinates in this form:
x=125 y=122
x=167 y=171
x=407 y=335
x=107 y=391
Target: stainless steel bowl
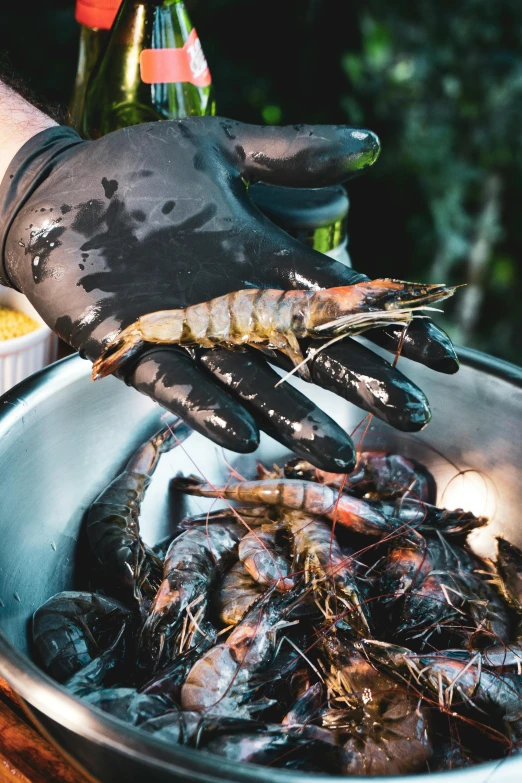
x=62 y=438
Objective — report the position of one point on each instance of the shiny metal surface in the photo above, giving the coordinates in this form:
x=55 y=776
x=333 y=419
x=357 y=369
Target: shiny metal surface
x=62 y=438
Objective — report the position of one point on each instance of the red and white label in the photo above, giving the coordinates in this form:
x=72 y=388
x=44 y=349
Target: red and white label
x=188 y=64
x=99 y=14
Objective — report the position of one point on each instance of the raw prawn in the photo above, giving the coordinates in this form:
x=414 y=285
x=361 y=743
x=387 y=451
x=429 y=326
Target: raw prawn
x=241 y=739
x=382 y=729
x=452 y=680
x=305 y=496
x=236 y=594
x=336 y=587
x=92 y=676
x=127 y=704
x=377 y=474
x=192 y=563
x=369 y=517
x=224 y=679
x=167 y=682
x=509 y=580
x=261 y=558
x=434 y=586
x=186 y=727
x=427 y=518
x=256 y=515
x=406 y=564
x=131 y=570
x=280 y=746
x=71 y=629
x=272 y=319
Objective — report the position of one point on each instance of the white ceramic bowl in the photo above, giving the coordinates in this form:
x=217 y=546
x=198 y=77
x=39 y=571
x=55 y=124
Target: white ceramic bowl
x=22 y=356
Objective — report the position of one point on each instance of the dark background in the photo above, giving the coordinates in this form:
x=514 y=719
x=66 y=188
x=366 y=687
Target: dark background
x=439 y=81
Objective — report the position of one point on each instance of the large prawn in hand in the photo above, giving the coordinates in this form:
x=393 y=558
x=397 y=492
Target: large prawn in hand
x=270 y=319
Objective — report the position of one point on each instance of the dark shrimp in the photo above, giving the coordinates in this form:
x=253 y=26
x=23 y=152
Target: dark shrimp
x=487 y=611
x=185 y=727
x=241 y=739
x=193 y=561
x=127 y=704
x=92 y=676
x=509 y=567
x=425 y=517
x=306 y=706
x=382 y=729
x=476 y=687
x=261 y=558
x=431 y=587
x=336 y=587
x=377 y=474
x=167 y=682
x=279 y=746
x=71 y=629
x=452 y=680
x=450 y=755
x=406 y=564
x=508 y=581
x=131 y=570
x=223 y=679
x=236 y=594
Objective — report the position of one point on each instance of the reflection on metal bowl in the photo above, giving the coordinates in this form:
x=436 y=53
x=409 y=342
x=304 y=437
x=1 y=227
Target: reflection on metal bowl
x=62 y=438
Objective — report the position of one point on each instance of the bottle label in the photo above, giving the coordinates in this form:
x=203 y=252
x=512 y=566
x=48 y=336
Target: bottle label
x=99 y=14
x=187 y=64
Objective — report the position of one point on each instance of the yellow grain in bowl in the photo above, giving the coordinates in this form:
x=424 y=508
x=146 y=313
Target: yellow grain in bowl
x=13 y=323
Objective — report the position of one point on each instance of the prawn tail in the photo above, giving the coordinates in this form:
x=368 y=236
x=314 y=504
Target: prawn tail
x=191 y=485
x=173 y=435
x=128 y=343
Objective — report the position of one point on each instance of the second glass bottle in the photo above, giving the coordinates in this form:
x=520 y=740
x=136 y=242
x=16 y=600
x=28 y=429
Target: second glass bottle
x=153 y=68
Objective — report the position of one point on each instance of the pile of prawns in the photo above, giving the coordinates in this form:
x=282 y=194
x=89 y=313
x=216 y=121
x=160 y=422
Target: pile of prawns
x=329 y=623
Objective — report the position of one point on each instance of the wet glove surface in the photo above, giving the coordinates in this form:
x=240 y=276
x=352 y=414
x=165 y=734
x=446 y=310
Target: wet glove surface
x=157 y=216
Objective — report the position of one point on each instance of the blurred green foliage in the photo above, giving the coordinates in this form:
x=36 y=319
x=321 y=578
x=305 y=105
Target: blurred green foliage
x=441 y=82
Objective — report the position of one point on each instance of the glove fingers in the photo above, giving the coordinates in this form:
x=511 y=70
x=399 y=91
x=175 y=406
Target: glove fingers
x=173 y=379
x=368 y=381
x=424 y=342
x=284 y=413
x=302 y=156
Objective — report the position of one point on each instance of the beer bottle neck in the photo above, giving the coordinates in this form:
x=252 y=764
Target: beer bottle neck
x=151 y=24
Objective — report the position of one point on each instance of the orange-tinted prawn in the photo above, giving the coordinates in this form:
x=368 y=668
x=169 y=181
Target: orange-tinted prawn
x=313 y=499
x=271 y=319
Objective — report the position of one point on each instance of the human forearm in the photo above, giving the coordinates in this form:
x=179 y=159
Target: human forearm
x=19 y=121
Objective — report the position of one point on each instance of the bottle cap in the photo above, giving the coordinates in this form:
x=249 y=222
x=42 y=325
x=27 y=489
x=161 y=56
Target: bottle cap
x=99 y=14
x=315 y=216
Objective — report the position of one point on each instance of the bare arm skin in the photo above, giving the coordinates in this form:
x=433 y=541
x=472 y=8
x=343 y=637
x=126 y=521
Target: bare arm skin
x=19 y=121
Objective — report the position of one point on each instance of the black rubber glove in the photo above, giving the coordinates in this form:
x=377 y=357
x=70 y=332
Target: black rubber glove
x=158 y=216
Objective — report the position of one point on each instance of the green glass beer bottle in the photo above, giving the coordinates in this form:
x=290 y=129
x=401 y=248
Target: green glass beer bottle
x=153 y=68
x=96 y=18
